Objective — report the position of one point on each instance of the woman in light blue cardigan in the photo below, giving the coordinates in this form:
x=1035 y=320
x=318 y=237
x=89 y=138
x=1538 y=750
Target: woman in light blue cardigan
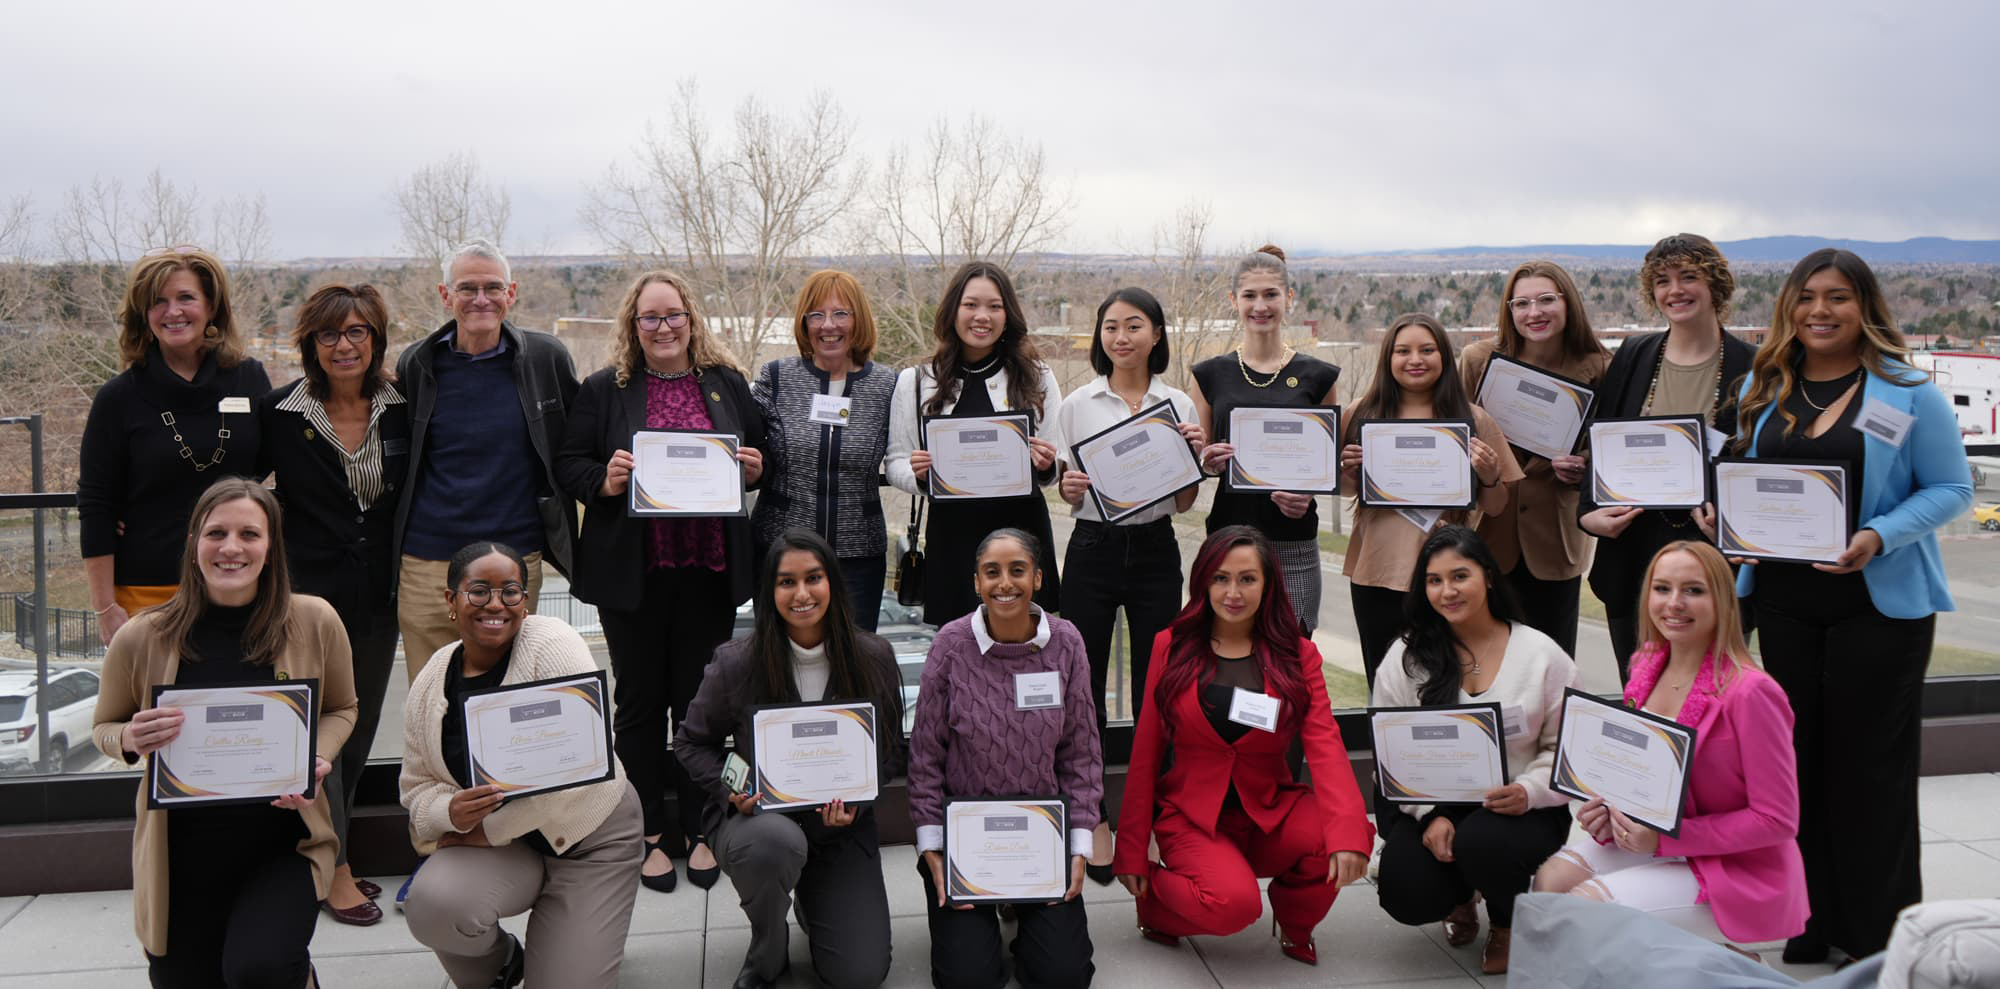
x=1850 y=640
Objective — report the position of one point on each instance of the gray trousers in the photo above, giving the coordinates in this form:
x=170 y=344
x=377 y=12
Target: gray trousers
x=836 y=875
x=582 y=903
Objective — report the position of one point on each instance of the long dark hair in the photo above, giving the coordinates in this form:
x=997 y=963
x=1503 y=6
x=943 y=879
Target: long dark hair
x=1149 y=307
x=1430 y=645
x=270 y=617
x=1385 y=397
x=1274 y=635
x=847 y=676
x=1016 y=352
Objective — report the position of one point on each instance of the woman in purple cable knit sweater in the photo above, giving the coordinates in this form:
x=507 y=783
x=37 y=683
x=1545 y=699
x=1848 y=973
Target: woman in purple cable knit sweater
x=974 y=739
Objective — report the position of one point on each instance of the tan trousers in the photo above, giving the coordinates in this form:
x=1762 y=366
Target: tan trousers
x=582 y=903
x=424 y=614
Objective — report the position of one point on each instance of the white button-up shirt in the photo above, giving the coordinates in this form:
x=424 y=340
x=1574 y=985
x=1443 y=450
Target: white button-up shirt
x=1095 y=408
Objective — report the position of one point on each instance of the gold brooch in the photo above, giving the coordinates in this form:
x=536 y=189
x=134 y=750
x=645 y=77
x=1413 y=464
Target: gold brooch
x=715 y=396
x=1291 y=382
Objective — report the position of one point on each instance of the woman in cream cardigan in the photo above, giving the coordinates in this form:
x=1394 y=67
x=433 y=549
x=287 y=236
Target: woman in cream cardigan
x=572 y=856
x=235 y=903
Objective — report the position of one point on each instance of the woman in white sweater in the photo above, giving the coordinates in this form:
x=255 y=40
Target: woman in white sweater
x=1465 y=644
x=571 y=856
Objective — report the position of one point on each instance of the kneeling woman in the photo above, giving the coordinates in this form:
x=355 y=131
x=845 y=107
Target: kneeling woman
x=805 y=648
x=227 y=896
x=1233 y=686
x=571 y=856
x=1736 y=856
x=1466 y=644
x=975 y=740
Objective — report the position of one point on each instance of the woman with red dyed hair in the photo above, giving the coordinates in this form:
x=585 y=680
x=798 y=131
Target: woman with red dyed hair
x=1232 y=686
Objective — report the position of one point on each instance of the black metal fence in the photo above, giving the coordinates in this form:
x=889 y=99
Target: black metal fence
x=72 y=632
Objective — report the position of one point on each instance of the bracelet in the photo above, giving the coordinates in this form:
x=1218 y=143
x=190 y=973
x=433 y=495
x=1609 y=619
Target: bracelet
x=1495 y=484
x=108 y=607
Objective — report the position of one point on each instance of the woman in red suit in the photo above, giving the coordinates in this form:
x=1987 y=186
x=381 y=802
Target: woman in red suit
x=1231 y=687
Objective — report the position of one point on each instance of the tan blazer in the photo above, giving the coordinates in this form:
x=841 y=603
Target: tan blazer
x=140 y=657
x=1539 y=522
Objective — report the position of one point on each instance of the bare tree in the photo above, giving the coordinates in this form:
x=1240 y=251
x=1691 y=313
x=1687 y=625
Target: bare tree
x=1194 y=284
x=17 y=272
x=240 y=234
x=448 y=202
x=101 y=230
x=736 y=216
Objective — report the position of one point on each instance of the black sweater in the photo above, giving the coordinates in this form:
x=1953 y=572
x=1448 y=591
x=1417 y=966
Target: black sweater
x=133 y=471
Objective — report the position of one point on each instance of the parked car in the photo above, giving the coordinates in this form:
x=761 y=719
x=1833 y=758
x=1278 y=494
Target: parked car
x=1988 y=517
x=913 y=646
x=71 y=700
x=895 y=615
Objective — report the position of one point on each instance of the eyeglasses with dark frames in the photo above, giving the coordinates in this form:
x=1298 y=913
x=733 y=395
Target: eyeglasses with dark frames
x=478 y=595
x=651 y=324
x=331 y=336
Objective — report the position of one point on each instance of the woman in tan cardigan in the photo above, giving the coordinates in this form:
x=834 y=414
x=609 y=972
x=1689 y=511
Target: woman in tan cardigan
x=235 y=903
x=572 y=856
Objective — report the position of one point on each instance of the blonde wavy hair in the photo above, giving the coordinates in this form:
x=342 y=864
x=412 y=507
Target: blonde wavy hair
x=143 y=287
x=704 y=351
x=1729 y=648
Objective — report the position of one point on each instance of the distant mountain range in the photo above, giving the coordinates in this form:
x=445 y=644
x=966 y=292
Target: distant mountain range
x=1916 y=250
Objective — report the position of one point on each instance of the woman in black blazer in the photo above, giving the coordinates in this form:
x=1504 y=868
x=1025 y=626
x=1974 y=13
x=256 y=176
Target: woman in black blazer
x=666 y=589
x=339 y=441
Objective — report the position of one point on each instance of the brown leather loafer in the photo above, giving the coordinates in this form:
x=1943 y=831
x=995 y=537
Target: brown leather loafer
x=1493 y=961
x=1462 y=924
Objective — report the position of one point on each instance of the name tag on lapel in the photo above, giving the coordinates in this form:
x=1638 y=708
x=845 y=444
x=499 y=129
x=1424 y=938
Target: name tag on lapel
x=395 y=447
x=1034 y=691
x=1877 y=419
x=234 y=403
x=1254 y=710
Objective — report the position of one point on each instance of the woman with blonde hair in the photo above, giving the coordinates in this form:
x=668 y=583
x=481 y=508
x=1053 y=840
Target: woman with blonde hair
x=666 y=589
x=826 y=414
x=175 y=420
x=1849 y=640
x=1734 y=871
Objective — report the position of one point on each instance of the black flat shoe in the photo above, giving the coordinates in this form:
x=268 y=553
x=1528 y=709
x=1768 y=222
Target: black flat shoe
x=704 y=878
x=663 y=883
x=749 y=979
x=515 y=966
x=1806 y=949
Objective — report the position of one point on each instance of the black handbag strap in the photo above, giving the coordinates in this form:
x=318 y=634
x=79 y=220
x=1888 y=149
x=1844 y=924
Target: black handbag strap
x=917 y=401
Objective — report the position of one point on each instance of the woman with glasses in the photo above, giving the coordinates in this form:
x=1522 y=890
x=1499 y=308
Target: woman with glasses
x=339 y=441
x=826 y=416
x=569 y=855
x=174 y=421
x=666 y=589
x=1535 y=538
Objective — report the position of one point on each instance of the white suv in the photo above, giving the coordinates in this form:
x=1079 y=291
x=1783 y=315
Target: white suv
x=71 y=700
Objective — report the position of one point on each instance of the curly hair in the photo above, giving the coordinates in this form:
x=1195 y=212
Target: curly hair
x=704 y=351
x=1693 y=251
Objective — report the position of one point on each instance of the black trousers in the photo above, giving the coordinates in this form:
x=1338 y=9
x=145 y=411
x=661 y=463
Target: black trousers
x=658 y=653
x=1051 y=946
x=1855 y=678
x=1496 y=854
x=1548 y=606
x=1378 y=621
x=865 y=576
x=240 y=920
x=373 y=640
x=1136 y=567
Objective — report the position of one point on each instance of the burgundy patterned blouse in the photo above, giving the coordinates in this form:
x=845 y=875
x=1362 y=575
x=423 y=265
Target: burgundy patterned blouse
x=676 y=404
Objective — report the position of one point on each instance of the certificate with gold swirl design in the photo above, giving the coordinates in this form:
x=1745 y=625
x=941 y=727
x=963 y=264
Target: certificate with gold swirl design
x=1450 y=754
x=1649 y=462
x=1634 y=760
x=1137 y=463
x=1285 y=448
x=239 y=743
x=1013 y=850
x=980 y=456
x=1417 y=463
x=687 y=474
x=1791 y=510
x=807 y=755
x=539 y=736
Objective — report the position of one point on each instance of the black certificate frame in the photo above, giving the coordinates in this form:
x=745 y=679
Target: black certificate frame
x=1369 y=493
x=601 y=701
x=1237 y=481
x=951 y=879
x=1735 y=547
x=1673 y=732
x=1583 y=416
x=1699 y=434
x=632 y=492
x=1097 y=498
x=1027 y=431
x=874 y=725
x=1497 y=730
x=310 y=715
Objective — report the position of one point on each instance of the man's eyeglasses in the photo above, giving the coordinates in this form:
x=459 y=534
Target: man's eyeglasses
x=331 y=336
x=1547 y=300
x=176 y=249
x=468 y=291
x=838 y=317
x=478 y=595
x=651 y=324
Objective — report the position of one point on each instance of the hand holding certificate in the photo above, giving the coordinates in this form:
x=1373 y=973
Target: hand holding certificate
x=1655 y=462
x=1633 y=760
x=1285 y=448
x=685 y=474
x=249 y=743
x=806 y=755
x=1137 y=463
x=1006 y=851
x=1417 y=463
x=1439 y=755
x=1781 y=510
x=1539 y=412
x=552 y=734
x=980 y=456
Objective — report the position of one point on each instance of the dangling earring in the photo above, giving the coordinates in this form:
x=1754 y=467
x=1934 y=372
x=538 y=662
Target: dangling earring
x=451 y=616
x=211 y=332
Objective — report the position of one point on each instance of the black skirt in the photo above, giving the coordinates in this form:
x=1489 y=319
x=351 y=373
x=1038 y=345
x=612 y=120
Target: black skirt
x=951 y=540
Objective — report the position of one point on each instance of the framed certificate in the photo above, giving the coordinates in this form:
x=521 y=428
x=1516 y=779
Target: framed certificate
x=529 y=738
x=1649 y=462
x=676 y=473
x=1138 y=463
x=1417 y=463
x=1285 y=448
x=1636 y=760
x=806 y=755
x=239 y=744
x=1006 y=851
x=980 y=456
x=1439 y=755
x=1781 y=509
x=1540 y=412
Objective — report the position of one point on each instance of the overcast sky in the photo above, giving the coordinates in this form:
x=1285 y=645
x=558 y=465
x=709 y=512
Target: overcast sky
x=1339 y=126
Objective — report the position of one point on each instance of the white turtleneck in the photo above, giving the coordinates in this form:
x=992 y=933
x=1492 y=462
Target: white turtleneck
x=809 y=671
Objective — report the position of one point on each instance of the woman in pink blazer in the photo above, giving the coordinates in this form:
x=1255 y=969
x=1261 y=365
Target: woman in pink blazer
x=1737 y=854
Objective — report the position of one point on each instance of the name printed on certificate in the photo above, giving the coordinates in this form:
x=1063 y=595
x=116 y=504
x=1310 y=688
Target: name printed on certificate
x=1652 y=462
x=980 y=456
x=1539 y=412
x=1137 y=463
x=808 y=755
x=239 y=744
x=689 y=474
x=1417 y=463
x=1285 y=448
x=1006 y=851
x=1635 y=760
x=1781 y=509
x=1439 y=755
x=552 y=734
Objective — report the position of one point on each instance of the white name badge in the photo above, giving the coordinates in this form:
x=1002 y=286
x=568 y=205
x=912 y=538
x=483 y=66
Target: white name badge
x=234 y=403
x=1254 y=709
x=1033 y=691
x=1717 y=440
x=1513 y=720
x=1423 y=518
x=830 y=410
x=1877 y=419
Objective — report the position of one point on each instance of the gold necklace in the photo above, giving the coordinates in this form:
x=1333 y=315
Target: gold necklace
x=187 y=453
x=1805 y=391
x=1284 y=358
